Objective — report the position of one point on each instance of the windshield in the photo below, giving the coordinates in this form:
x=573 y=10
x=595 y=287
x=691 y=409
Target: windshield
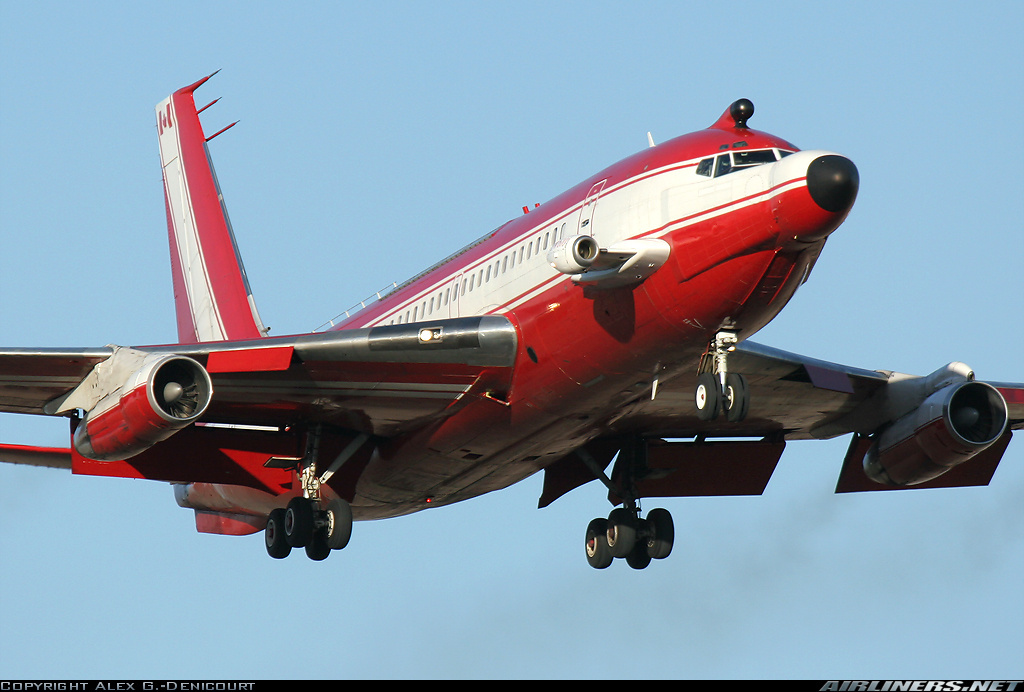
x=736 y=160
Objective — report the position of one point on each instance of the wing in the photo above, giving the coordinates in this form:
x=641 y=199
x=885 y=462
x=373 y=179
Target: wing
x=379 y=381
x=897 y=420
x=30 y=378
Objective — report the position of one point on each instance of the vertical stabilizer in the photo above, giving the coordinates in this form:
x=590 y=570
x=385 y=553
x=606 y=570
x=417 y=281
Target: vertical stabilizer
x=212 y=298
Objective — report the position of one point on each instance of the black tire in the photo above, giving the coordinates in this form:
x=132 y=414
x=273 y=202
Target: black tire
x=638 y=557
x=298 y=522
x=662 y=533
x=707 y=397
x=339 y=524
x=621 y=532
x=598 y=554
x=318 y=548
x=736 y=398
x=277 y=544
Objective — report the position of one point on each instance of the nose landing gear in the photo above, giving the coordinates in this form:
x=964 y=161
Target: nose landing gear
x=720 y=390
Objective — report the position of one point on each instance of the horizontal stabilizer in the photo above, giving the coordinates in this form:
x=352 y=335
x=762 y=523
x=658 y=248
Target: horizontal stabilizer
x=52 y=457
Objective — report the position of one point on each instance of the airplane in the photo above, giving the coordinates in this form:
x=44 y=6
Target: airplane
x=609 y=324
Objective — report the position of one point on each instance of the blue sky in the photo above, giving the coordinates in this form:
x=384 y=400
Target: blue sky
x=373 y=142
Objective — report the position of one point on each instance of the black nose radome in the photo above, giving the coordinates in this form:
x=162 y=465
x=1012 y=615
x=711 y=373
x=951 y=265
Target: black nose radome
x=833 y=181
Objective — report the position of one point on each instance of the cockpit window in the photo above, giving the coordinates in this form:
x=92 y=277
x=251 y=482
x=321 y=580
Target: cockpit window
x=745 y=159
x=724 y=165
x=736 y=160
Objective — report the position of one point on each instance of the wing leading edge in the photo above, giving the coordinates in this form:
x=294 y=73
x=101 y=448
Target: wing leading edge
x=378 y=381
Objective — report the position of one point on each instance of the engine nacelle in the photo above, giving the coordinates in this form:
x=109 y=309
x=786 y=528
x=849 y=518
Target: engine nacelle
x=166 y=394
x=952 y=425
x=574 y=254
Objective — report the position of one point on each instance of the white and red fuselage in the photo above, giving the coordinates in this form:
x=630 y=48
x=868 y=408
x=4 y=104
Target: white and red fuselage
x=740 y=242
x=710 y=231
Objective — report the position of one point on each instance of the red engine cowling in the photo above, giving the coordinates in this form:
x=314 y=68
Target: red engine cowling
x=166 y=394
x=948 y=428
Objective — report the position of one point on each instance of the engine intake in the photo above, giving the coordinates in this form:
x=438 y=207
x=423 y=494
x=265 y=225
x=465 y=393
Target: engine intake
x=574 y=254
x=166 y=394
x=952 y=425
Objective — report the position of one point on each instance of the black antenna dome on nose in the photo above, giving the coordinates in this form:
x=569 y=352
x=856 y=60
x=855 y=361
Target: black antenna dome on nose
x=741 y=111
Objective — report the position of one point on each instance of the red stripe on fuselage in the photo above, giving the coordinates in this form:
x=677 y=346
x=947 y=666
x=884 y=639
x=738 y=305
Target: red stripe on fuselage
x=681 y=153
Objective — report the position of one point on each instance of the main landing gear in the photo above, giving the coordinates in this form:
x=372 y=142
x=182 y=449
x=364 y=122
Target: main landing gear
x=624 y=534
x=304 y=525
x=309 y=521
x=719 y=389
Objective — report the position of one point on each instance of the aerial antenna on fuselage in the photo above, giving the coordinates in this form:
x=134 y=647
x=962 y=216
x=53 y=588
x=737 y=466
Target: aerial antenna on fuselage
x=741 y=111
x=650 y=140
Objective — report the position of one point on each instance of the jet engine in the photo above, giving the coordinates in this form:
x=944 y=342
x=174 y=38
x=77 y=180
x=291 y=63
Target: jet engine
x=574 y=254
x=952 y=425
x=165 y=394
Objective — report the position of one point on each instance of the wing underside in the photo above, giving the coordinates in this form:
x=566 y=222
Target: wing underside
x=793 y=398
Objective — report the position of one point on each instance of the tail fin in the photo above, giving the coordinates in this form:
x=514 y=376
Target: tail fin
x=212 y=298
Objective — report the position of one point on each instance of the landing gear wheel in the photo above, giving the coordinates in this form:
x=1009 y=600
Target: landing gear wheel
x=707 y=397
x=277 y=544
x=661 y=533
x=621 y=533
x=318 y=548
x=638 y=557
x=736 y=398
x=598 y=554
x=339 y=524
x=298 y=522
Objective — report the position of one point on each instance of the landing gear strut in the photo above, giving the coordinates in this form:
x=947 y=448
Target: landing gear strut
x=719 y=389
x=625 y=534
x=309 y=521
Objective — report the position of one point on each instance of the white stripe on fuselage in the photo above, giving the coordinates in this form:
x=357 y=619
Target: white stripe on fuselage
x=202 y=302
x=516 y=290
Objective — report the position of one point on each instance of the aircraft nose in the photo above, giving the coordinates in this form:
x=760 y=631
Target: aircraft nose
x=832 y=181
